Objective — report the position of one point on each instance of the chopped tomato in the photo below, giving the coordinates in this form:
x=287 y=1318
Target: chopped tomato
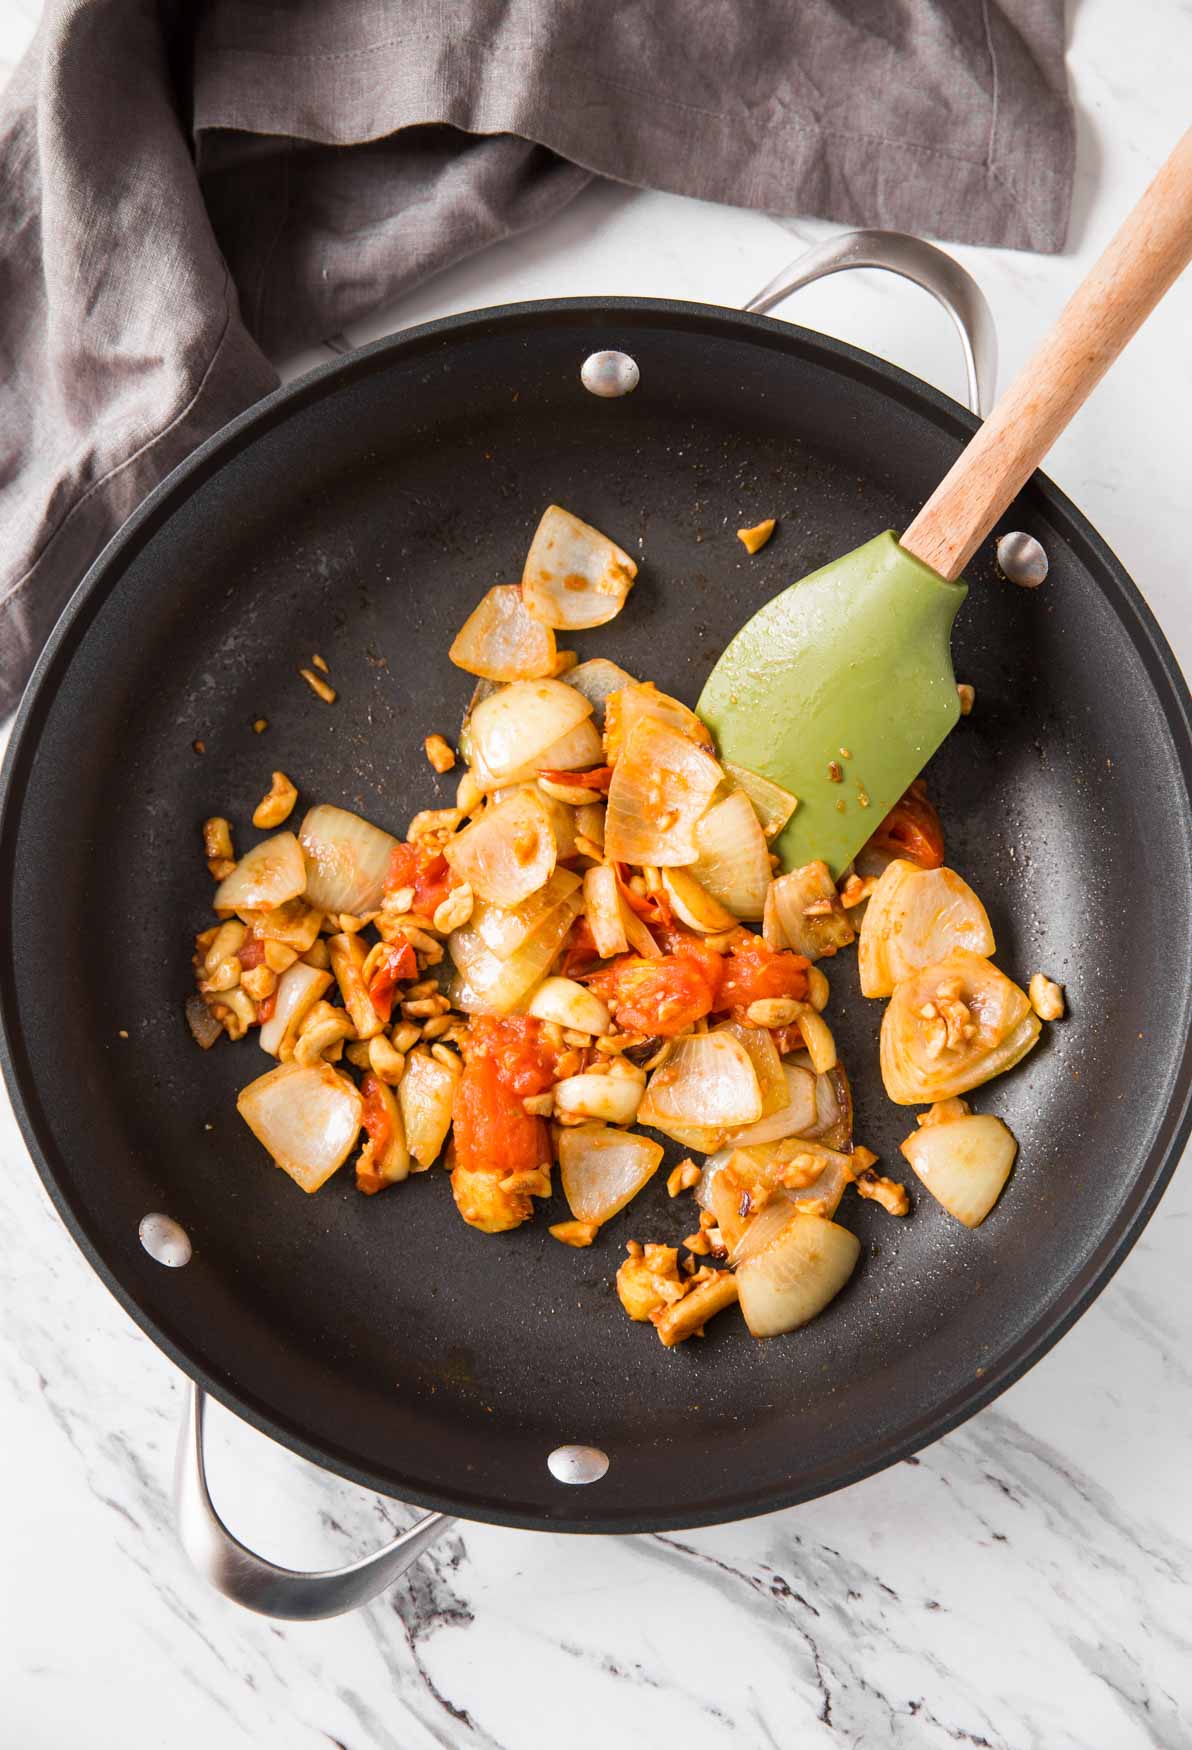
x=251 y=952
x=599 y=778
x=424 y=868
x=376 y=1113
x=754 y=970
x=664 y=997
x=580 y=954
x=266 y=1007
x=397 y=962
x=677 y=939
x=517 y=1045
x=912 y=830
x=494 y=1134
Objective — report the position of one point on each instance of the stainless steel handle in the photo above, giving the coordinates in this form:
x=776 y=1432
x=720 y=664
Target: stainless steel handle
x=925 y=265
x=261 y=1585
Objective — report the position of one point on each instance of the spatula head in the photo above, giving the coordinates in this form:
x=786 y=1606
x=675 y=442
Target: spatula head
x=840 y=689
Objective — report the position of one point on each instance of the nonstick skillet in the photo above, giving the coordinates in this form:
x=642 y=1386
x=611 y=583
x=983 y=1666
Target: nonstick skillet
x=360 y=513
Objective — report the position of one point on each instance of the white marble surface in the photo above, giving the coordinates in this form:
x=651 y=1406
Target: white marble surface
x=1023 y=1583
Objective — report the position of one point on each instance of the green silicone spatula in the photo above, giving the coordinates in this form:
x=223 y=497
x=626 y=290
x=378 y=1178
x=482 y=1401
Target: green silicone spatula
x=841 y=688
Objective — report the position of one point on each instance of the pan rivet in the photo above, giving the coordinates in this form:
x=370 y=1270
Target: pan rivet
x=1022 y=560
x=165 y=1240
x=577 y=1464
x=609 y=374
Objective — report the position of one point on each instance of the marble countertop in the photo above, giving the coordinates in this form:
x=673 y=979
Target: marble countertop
x=1023 y=1582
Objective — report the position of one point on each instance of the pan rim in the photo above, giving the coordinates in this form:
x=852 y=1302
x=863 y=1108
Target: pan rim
x=1171 y=692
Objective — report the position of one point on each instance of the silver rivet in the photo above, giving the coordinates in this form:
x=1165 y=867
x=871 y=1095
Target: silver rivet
x=165 y=1240
x=577 y=1464
x=609 y=374
x=1022 y=560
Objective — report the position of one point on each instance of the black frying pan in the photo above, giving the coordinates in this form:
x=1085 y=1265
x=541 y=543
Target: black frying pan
x=361 y=513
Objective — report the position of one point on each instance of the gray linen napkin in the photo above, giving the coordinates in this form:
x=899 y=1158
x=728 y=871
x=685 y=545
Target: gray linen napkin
x=189 y=191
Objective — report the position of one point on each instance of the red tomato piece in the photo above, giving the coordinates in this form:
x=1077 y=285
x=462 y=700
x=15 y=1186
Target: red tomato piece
x=376 y=1113
x=494 y=1134
x=524 y=1057
x=397 y=962
x=664 y=997
x=913 y=830
x=251 y=952
x=425 y=869
x=754 y=970
x=599 y=778
x=266 y=1007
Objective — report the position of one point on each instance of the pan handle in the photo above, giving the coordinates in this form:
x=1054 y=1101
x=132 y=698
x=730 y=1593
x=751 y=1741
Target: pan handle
x=925 y=265
x=260 y=1585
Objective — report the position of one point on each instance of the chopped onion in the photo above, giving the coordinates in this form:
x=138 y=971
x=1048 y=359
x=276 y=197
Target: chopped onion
x=505 y=929
x=637 y=931
x=612 y=1099
x=425 y=1093
x=596 y=680
x=756 y=1231
x=265 y=877
x=767 y=1065
x=772 y=804
x=298 y=989
x=733 y=863
x=790 y=1280
x=661 y=785
x=605 y=910
x=701 y=1139
x=915 y=918
x=347 y=859
x=708 y=1080
x=797 y=1117
x=513 y=730
x=964 y=1163
x=604 y=1169
x=833 y=1109
x=625 y=709
x=507 y=853
x=575 y=796
x=307 y=1116
x=574 y=576
x=482 y=690
x=502 y=641
x=489 y=984
x=915 y=1068
x=808 y=930
x=761 y=1165
x=720 y=1193
x=569 y=1004
x=693 y=905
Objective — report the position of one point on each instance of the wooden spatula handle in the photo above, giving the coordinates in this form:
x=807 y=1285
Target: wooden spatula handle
x=1150 y=250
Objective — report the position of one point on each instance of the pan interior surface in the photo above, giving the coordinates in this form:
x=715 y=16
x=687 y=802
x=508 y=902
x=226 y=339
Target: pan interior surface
x=360 y=516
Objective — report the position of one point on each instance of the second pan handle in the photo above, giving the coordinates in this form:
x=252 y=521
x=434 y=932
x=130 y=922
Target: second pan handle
x=253 y=1581
x=924 y=265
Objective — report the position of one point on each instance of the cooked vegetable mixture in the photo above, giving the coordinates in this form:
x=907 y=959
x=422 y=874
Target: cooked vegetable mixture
x=594 y=943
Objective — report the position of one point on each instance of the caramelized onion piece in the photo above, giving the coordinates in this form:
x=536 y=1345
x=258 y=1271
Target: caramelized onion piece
x=502 y=641
x=661 y=785
x=509 y=852
x=733 y=863
x=915 y=918
x=307 y=1116
x=265 y=877
x=951 y=1027
x=603 y=1169
x=963 y=1163
x=793 y=1277
x=574 y=576
x=707 y=1081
